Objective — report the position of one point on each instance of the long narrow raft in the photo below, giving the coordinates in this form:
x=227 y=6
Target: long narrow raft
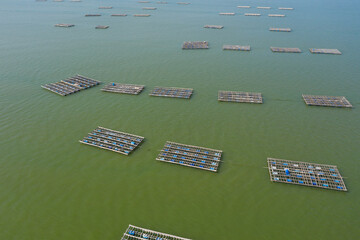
x=195 y=45
x=325 y=51
x=191 y=156
x=236 y=47
x=276 y=15
x=71 y=85
x=280 y=29
x=64 y=25
x=123 y=88
x=214 y=26
x=136 y=233
x=252 y=14
x=326 y=101
x=285 y=50
x=112 y=140
x=240 y=97
x=227 y=13
x=305 y=174
x=172 y=92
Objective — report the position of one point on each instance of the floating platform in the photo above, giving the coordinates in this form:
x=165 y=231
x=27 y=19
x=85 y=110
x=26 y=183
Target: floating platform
x=162 y=2
x=227 y=14
x=195 y=45
x=71 y=85
x=214 y=26
x=172 y=92
x=141 y=15
x=123 y=88
x=92 y=15
x=149 y=8
x=112 y=140
x=253 y=14
x=183 y=3
x=64 y=25
x=276 y=15
x=285 y=50
x=143 y=1
x=240 y=97
x=190 y=156
x=243 y=7
x=58 y=0
x=118 y=15
x=134 y=233
x=285 y=8
x=325 y=51
x=263 y=7
x=75 y=1
x=104 y=7
x=306 y=174
x=236 y=47
x=101 y=27
x=280 y=29
x=326 y=101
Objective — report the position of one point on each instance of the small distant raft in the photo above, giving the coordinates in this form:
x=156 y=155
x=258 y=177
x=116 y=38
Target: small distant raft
x=326 y=101
x=190 y=156
x=240 y=97
x=263 y=7
x=118 y=15
x=149 y=8
x=112 y=140
x=195 y=45
x=101 y=27
x=325 y=51
x=134 y=232
x=141 y=15
x=172 y=92
x=64 y=25
x=243 y=6
x=280 y=29
x=71 y=85
x=252 y=14
x=214 y=26
x=285 y=50
x=276 y=15
x=306 y=174
x=92 y=15
x=183 y=3
x=236 y=47
x=227 y=13
x=105 y=7
x=143 y=1
x=123 y=88
x=160 y=2
x=285 y=8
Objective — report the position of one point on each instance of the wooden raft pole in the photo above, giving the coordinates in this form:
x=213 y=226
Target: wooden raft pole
x=280 y=29
x=276 y=15
x=123 y=88
x=172 y=92
x=64 y=25
x=195 y=45
x=214 y=26
x=191 y=156
x=135 y=233
x=285 y=50
x=325 y=51
x=253 y=14
x=305 y=174
x=112 y=140
x=240 y=97
x=236 y=47
x=326 y=101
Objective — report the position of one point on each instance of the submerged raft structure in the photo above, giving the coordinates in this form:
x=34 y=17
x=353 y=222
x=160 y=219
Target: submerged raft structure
x=183 y=3
x=172 y=92
x=149 y=8
x=64 y=25
x=326 y=101
x=134 y=233
x=240 y=97
x=123 y=88
x=280 y=29
x=195 y=45
x=276 y=15
x=112 y=140
x=92 y=15
x=252 y=14
x=104 y=7
x=71 y=85
x=214 y=26
x=285 y=50
x=141 y=15
x=101 y=27
x=160 y=2
x=236 y=47
x=190 y=156
x=306 y=174
x=325 y=51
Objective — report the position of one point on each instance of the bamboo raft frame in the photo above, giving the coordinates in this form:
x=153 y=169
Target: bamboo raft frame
x=239 y=97
x=64 y=25
x=227 y=13
x=102 y=27
x=276 y=15
x=138 y=233
x=325 y=51
x=149 y=8
x=71 y=85
x=280 y=29
x=285 y=8
x=263 y=7
x=305 y=174
x=119 y=142
x=243 y=6
x=183 y=3
x=119 y=15
x=123 y=88
x=195 y=45
x=236 y=47
x=214 y=26
x=92 y=15
x=326 y=101
x=285 y=50
x=252 y=14
x=190 y=156
x=172 y=92
x=141 y=15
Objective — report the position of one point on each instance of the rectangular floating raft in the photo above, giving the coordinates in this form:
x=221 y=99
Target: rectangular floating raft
x=64 y=25
x=123 y=88
x=214 y=26
x=227 y=14
x=162 y=2
x=285 y=50
x=243 y=6
x=183 y=3
x=253 y=14
x=241 y=97
x=141 y=15
x=138 y=233
x=276 y=15
x=118 y=15
x=101 y=27
x=149 y=8
x=236 y=47
x=190 y=156
x=306 y=174
x=172 y=92
x=112 y=140
x=280 y=29
x=104 y=7
x=285 y=8
x=92 y=15
x=326 y=101
x=195 y=45
x=325 y=51
x=143 y=1
x=71 y=85
x=263 y=7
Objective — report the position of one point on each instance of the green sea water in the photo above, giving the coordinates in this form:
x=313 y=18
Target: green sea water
x=52 y=187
